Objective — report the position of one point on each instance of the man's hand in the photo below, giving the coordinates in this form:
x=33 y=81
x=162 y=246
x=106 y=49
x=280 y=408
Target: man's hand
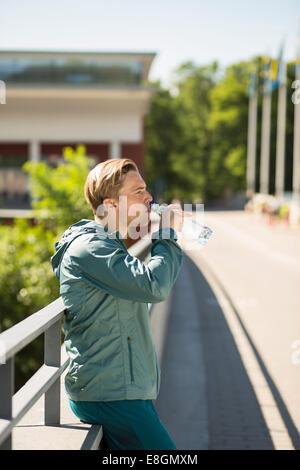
x=172 y=217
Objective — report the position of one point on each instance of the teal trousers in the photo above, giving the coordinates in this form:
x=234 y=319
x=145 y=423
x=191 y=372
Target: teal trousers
x=127 y=424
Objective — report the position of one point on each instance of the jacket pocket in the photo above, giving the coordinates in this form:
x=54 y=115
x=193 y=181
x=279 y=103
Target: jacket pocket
x=130 y=358
x=157 y=375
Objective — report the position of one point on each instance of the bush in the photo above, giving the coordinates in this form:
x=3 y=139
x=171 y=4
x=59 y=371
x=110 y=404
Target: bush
x=27 y=282
x=283 y=211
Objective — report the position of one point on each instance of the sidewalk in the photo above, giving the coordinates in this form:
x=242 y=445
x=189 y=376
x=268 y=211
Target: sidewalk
x=252 y=229
x=182 y=401
x=227 y=377
x=206 y=400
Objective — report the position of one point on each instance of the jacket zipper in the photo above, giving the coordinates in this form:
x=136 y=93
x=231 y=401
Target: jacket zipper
x=130 y=358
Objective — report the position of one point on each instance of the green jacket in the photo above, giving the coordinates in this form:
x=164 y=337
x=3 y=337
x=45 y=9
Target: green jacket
x=106 y=292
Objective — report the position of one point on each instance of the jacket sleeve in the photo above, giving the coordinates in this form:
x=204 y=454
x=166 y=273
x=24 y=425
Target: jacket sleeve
x=108 y=266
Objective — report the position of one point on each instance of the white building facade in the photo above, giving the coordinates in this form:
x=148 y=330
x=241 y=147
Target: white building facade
x=58 y=99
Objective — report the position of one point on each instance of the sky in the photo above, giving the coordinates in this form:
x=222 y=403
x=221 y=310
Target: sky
x=176 y=30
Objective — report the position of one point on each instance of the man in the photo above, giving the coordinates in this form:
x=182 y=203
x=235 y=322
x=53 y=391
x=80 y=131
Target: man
x=114 y=373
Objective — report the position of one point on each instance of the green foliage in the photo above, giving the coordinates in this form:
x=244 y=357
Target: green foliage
x=27 y=282
x=228 y=123
x=193 y=108
x=196 y=139
x=162 y=133
x=58 y=192
x=26 y=277
x=177 y=137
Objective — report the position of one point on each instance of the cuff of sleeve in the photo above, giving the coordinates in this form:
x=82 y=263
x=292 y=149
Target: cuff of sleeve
x=164 y=234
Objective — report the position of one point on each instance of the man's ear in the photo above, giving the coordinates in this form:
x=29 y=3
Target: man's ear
x=103 y=208
x=109 y=202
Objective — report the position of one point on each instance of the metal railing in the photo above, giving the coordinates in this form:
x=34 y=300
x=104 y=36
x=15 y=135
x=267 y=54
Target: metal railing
x=13 y=406
x=46 y=380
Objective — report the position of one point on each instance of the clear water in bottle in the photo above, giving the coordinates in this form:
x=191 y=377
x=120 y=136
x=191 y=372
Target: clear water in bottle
x=191 y=228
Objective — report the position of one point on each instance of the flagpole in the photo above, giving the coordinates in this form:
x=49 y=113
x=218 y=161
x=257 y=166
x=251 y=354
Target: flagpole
x=281 y=127
x=265 y=139
x=251 y=148
x=296 y=159
x=295 y=204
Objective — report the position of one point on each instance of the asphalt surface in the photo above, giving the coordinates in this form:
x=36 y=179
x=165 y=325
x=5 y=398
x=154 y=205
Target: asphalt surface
x=231 y=370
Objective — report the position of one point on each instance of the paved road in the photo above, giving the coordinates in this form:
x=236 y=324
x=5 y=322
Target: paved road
x=231 y=365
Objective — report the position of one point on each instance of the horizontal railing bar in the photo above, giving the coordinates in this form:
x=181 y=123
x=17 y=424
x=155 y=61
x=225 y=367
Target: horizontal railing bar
x=18 y=336
x=93 y=438
x=34 y=388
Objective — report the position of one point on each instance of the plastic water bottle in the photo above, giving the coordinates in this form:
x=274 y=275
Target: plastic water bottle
x=191 y=228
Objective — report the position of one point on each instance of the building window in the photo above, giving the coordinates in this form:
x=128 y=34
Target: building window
x=71 y=71
x=14 y=186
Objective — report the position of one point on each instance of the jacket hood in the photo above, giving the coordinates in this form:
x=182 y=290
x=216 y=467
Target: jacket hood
x=74 y=231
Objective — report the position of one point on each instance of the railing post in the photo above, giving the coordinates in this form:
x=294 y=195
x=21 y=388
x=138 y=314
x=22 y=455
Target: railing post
x=52 y=358
x=7 y=380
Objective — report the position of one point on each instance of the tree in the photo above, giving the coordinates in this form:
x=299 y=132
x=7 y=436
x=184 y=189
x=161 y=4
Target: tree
x=27 y=282
x=228 y=123
x=58 y=197
x=162 y=134
x=191 y=159
x=177 y=138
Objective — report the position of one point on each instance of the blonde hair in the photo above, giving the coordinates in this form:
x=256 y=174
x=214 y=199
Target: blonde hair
x=106 y=179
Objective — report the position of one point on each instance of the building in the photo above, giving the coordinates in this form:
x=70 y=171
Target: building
x=58 y=99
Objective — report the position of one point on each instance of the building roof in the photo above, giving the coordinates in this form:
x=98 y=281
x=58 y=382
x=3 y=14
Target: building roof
x=75 y=68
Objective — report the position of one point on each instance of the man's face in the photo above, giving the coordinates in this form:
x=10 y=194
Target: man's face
x=134 y=204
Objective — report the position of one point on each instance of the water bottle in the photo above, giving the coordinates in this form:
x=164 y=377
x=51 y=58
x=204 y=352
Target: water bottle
x=191 y=228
